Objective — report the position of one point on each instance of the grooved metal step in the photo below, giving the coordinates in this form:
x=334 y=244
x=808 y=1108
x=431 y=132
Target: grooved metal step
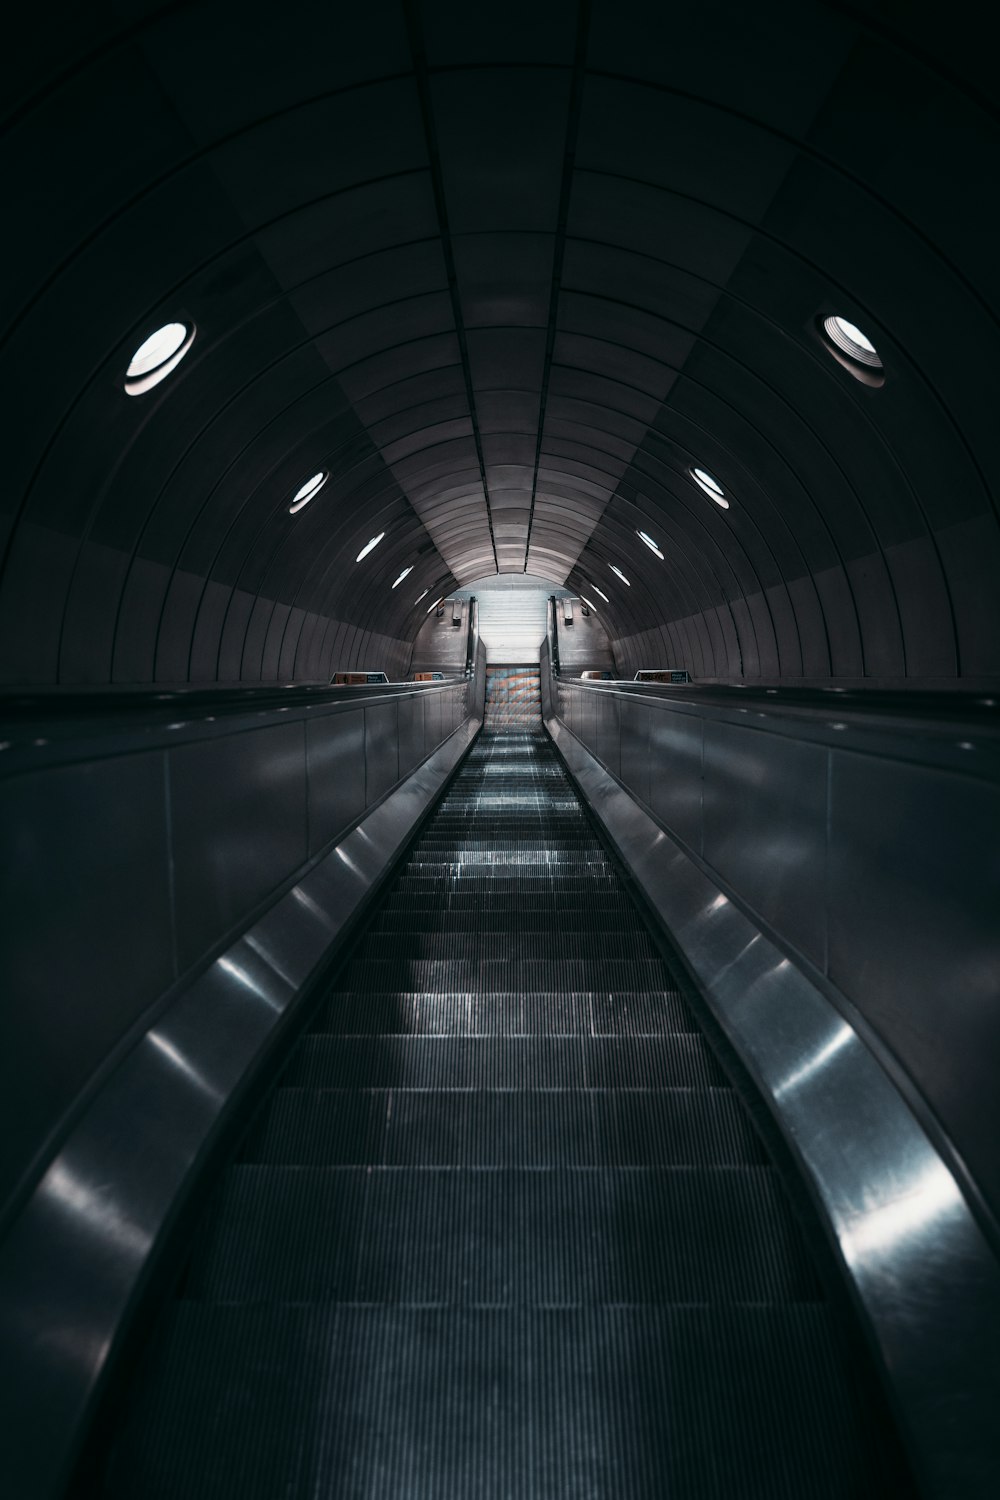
x=505 y=1062
x=488 y=1128
x=638 y=1013
x=502 y=1237
x=505 y=947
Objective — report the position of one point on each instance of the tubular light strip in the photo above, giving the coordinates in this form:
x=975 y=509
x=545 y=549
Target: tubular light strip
x=713 y=489
x=369 y=546
x=306 y=492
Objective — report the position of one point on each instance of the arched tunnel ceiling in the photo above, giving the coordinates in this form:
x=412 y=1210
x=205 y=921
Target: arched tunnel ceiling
x=506 y=273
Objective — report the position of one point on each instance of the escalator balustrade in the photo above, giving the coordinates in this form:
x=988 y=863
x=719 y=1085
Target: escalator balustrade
x=503 y=1227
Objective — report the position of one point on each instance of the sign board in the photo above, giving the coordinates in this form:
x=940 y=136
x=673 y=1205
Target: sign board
x=663 y=674
x=428 y=677
x=357 y=679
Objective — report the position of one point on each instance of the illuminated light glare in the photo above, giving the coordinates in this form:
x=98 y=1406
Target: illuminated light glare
x=711 y=486
x=588 y=603
x=849 y=339
x=95 y=1205
x=917 y=1212
x=602 y=594
x=620 y=574
x=831 y=1047
x=405 y=574
x=157 y=356
x=435 y=604
x=311 y=487
x=644 y=536
x=183 y=1065
x=421 y=596
x=244 y=977
x=369 y=546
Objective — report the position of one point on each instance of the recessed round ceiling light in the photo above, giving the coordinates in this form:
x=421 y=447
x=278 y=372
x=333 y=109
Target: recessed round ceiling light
x=853 y=349
x=711 y=486
x=848 y=337
x=405 y=574
x=304 y=494
x=157 y=356
x=602 y=594
x=621 y=575
x=644 y=536
x=369 y=546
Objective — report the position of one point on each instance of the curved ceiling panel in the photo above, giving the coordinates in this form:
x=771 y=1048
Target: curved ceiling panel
x=507 y=276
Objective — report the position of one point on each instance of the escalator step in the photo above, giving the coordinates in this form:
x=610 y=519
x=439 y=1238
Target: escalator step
x=503 y=1013
x=484 y=885
x=473 y=1237
x=515 y=973
x=510 y=946
x=484 y=1128
x=531 y=917
x=457 y=898
x=385 y=1402
x=504 y=1062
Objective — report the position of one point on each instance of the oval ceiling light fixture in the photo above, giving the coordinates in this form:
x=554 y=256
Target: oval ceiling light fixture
x=587 y=602
x=369 y=546
x=405 y=574
x=602 y=594
x=306 y=492
x=421 y=596
x=853 y=349
x=713 y=489
x=620 y=574
x=157 y=356
x=435 y=604
x=644 y=536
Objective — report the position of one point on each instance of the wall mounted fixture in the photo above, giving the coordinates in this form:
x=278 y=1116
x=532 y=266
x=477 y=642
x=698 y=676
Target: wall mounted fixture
x=713 y=489
x=156 y=356
x=852 y=349
x=306 y=492
x=369 y=546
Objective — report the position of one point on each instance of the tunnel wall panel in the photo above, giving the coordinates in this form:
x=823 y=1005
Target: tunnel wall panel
x=133 y=853
x=867 y=847
x=89 y=939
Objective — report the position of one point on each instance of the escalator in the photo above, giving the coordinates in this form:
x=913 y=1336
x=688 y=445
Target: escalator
x=502 y=1227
